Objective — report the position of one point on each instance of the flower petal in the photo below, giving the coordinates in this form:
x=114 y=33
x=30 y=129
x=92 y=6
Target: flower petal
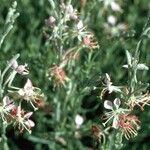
x=29 y=123
x=14 y=64
x=78 y=120
x=115 y=6
x=117 y=102
x=107 y=78
x=142 y=67
x=28 y=115
x=115 y=122
x=21 y=92
x=125 y=66
x=6 y=101
x=28 y=85
x=10 y=107
x=108 y=105
x=80 y=25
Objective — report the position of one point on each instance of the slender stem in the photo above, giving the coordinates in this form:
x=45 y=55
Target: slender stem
x=4 y=138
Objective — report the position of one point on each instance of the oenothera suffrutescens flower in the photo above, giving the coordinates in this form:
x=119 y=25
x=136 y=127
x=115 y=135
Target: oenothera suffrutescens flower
x=5 y=108
x=21 y=69
x=21 y=119
x=114 y=112
x=30 y=93
x=108 y=86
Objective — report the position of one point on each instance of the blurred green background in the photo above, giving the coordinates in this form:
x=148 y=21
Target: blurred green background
x=27 y=39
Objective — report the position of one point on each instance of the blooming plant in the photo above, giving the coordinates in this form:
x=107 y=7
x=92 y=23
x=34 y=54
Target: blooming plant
x=90 y=59
x=123 y=119
x=11 y=112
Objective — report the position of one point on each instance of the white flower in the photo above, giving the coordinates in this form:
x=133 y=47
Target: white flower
x=71 y=13
x=81 y=30
x=115 y=6
x=112 y=20
x=109 y=87
x=28 y=93
x=139 y=67
x=114 y=113
x=80 y=25
x=78 y=120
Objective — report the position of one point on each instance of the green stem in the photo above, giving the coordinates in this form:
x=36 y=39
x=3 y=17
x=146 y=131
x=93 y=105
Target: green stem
x=4 y=138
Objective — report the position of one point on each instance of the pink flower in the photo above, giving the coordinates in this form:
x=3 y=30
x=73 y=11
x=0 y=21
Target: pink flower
x=21 y=69
x=30 y=93
x=50 y=22
x=90 y=41
x=70 y=12
x=22 y=119
x=6 y=108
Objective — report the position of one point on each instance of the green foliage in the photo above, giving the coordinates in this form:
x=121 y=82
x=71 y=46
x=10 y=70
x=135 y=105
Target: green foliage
x=55 y=120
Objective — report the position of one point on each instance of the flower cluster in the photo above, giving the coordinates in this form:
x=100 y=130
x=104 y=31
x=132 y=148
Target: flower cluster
x=21 y=119
x=121 y=112
x=11 y=111
x=121 y=118
x=59 y=28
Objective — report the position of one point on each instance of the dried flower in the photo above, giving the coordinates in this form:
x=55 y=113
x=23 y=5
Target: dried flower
x=70 y=55
x=129 y=124
x=98 y=134
x=90 y=41
x=59 y=75
x=21 y=119
x=140 y=101
x=86 y=36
